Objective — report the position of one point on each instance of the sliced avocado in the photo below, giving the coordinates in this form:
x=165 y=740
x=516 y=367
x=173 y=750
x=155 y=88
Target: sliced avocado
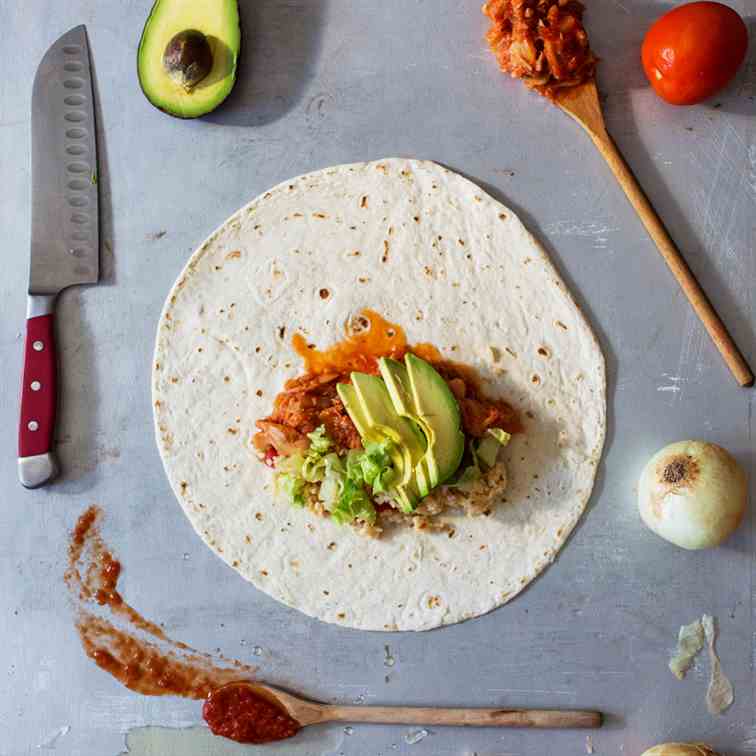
x=423 y=478
x=397 y=381
x=438 y=411
x=353 y=405
x=406 y=492
x=348 y=396
x=188 y=55
x=384 y=421
x=370 y=407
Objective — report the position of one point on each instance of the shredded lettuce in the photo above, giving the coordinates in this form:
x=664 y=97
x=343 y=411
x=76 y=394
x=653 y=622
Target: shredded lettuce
x=342 y=480
x=353 y=504
x=345 y=481
x=372 y=466
x=291 y=464
x=319 y=441
x=332 y=485
x=469 y=475
x=316 y=467
x=295 y=471
x=289 y=481
x=483 y=454
x=500 y=435
x=488 y=447
x=292 y=487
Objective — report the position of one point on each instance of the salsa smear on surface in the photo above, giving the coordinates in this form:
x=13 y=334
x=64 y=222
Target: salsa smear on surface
x=542 y=42
x=380 y=432
x=236 y=712
x=139 y=654
x=133 y=649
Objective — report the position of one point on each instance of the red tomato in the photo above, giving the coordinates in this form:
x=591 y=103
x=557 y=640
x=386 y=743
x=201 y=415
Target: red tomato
x=693 y=51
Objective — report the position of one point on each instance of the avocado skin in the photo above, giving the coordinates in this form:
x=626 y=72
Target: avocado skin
x=233 y=35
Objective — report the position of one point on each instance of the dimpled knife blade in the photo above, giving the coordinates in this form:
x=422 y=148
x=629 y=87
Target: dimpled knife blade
x=65 y=226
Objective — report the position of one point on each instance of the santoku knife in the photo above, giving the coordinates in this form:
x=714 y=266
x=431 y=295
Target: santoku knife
x=64 y=235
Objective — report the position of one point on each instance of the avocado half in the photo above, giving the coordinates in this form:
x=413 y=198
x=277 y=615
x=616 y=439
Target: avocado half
x=188 y=55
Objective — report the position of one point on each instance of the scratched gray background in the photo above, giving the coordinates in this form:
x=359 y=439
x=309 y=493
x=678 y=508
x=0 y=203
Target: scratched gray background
x=332 y=81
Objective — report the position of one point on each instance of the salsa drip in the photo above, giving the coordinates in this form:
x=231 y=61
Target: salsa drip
x=237 y=712
x=131 y=648
x=542 y=42
x=368 y=336
x=311 y=399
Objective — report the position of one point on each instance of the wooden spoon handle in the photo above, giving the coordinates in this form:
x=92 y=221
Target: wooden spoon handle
x=693 y=291
x=466 y=717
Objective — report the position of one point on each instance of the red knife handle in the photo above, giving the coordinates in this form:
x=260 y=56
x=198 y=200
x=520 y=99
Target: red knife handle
x=39 y=392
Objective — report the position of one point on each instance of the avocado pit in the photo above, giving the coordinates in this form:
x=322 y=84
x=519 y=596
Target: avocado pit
x=188 y=58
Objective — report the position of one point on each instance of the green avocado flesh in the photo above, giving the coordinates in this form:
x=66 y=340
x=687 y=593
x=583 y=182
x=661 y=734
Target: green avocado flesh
x=413 y=407
x=437 y=410
x=384 y=422
x=422 y=395
x=218 y=21
x=351 y=401
x=397 y=381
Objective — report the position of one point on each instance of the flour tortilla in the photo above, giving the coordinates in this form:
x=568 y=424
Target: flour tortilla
x=432 y=252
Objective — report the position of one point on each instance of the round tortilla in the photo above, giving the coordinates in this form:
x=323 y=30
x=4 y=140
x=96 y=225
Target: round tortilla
x=431 y=251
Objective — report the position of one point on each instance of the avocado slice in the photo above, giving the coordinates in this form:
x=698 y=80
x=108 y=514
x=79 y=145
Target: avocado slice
x=438 y=410
x=348 y=396
x=421 y=394
x=188 y=55
x=369 y=405
x=406 y=495
x=397 y=381
x=385 y=422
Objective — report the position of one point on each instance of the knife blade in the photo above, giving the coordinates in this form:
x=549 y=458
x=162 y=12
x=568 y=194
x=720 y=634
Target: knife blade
x=64 y=234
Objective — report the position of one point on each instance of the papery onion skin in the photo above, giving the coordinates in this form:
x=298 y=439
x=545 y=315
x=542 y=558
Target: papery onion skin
x=693 y=494
x=681 y=749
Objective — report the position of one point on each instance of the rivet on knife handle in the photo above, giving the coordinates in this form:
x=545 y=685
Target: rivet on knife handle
x=36 y=463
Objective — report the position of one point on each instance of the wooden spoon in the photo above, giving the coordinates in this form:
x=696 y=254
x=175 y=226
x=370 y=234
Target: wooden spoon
x=582 y=103
x=310 y=712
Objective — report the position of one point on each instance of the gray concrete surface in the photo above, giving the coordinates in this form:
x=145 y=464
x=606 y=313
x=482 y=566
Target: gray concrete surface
x=331 y=81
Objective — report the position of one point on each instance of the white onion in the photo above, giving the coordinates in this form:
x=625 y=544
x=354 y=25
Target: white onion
x=693 y=494
x=680 y=749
